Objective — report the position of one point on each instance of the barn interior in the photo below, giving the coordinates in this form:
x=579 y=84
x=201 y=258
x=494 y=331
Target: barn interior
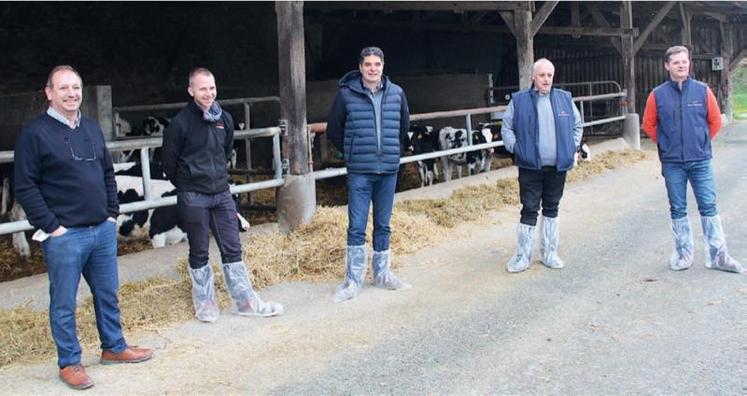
x=144 y=51
x=446 y=55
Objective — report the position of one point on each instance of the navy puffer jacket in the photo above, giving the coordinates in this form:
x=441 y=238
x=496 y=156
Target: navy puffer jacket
x=351 y=125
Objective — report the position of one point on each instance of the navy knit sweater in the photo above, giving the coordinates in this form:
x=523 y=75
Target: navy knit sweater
x=64 y=176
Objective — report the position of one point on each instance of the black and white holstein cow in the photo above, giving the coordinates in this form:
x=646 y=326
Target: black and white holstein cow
x=421 y=140
x=160 y=225
x=451 y=138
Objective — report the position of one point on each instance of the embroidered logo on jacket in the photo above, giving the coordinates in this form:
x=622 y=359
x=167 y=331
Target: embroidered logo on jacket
x=695 y=103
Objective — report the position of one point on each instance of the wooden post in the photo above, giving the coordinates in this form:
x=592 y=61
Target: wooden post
x=524 y=46
x=626 y=21
x=727 y=49
x=296 y=200
x=292 y=82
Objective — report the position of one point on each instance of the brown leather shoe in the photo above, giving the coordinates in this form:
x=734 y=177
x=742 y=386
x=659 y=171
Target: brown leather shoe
x=75 y=377
x=131 y=354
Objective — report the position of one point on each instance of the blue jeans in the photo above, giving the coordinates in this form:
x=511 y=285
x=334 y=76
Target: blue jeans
x=91 y=251
x=362 y=189
x=201 y=213
x=700 y=175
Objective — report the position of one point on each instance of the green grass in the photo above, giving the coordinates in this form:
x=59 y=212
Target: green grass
x=740 y=94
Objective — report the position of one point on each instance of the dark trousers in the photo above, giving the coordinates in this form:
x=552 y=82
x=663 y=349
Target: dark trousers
x=201 y=213
x=540 y=186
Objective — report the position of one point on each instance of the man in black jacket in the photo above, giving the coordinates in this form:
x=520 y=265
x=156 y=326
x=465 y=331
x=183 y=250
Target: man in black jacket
x=196 y=147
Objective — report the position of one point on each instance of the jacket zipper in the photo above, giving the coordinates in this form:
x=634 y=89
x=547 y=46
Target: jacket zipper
x=682 y=126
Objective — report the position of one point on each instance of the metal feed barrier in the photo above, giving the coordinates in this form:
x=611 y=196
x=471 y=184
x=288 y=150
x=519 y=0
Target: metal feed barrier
x=145 y=144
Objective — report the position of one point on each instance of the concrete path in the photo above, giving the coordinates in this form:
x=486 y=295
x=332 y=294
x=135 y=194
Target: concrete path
x=615 y=320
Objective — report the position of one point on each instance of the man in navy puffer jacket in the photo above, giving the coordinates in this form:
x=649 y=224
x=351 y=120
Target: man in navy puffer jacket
x=367 y=121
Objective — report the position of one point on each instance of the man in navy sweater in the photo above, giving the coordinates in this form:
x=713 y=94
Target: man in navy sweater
x=196 y=146
x=368 y=119
x=543 y=129
x=64 y=180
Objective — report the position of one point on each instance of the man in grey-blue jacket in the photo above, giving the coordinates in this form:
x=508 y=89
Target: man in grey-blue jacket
x=368 y=118
x=543 y=129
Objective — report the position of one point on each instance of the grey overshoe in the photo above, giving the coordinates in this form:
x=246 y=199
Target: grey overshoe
x=355 y=263
x=716 y=255
x=203 y=294
x=525 y=235
x=245 y=301
x=549 y=243
x=682 y=257
x=383 y=276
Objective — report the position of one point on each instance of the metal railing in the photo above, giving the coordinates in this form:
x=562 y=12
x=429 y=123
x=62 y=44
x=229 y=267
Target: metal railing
x=150 y=202
x=146 y=144
x=593 y=89
x=467 y=114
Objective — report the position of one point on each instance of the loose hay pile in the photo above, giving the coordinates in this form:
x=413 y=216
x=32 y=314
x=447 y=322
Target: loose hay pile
x=314 y=252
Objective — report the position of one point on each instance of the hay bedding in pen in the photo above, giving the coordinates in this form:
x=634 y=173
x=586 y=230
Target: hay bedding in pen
x=314 y=252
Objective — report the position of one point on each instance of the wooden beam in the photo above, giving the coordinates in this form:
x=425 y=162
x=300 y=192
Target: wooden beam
x=420 y=5
x=626 y=21
x=459 y=27
x=292 y=83
x=600 y=20
x=508 y=18
x=663 y=11
x=541 y=16
x=686 y=18
x=575 y=16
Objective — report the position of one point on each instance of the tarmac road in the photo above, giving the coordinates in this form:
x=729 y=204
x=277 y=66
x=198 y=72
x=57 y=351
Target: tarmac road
x=616 y=320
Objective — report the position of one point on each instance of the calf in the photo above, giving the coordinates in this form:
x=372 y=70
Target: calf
x=13 y=210
x=450 y=138
x=583 y=153
x=422 y=140
x=480 y=160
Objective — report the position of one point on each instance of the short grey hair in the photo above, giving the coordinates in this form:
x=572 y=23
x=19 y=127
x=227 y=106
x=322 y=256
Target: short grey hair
x=677 y=49
x=539 y=61
x=368 y=51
